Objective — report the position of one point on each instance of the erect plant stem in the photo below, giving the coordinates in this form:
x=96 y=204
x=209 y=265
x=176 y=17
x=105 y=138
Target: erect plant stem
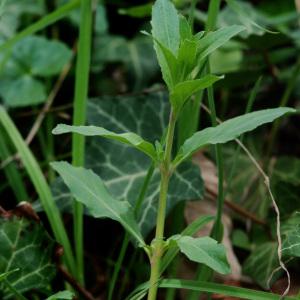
x=158 y=242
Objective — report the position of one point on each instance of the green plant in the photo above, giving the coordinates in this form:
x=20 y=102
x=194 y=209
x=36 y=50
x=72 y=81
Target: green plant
x=181 y=55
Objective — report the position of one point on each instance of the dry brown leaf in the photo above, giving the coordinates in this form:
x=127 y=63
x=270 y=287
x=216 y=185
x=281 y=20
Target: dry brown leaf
x=297 y=3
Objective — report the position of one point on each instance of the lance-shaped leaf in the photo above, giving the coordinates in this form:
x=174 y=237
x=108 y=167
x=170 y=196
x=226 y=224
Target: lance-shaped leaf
x=185 y=29
x=186 y=58
x=167 y=61
x=204 y=250
x=229 y=130
x=128 y=138
x=89 y=189
x=183 y=90
x=214 y=40
x=165 y=24
x=190 y=230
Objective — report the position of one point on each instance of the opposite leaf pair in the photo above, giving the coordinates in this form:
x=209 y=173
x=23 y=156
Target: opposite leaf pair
x=181 y=57
x=181 y=54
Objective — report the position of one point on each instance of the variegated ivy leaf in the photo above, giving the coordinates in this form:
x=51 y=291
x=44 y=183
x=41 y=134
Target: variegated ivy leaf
x=122 y=168
x=137 y=56
x=26 y=252
x=291 y=236
x=263 y=261
x=261 y=264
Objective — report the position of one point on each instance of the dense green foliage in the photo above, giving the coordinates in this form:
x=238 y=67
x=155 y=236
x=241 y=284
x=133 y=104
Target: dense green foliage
x=123 y=182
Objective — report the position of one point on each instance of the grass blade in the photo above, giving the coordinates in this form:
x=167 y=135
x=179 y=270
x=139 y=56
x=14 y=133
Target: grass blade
x=207 y=287
x=215 y=288
x=79 y=118
x=13 y=176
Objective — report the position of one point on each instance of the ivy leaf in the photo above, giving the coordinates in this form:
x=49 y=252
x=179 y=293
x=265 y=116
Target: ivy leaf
x=123 y=168
x=204 y=250
x=25 y=245
x=261 y=263
x=243 y=173
x=89 y=189
x=128 y=138
x=137 y=56
x=184 y=90
x=290 y=231
x=216 y=39
x=285 y=183
x=3 y=276
x=67 y=295
x=228 y=130
x=165 y=25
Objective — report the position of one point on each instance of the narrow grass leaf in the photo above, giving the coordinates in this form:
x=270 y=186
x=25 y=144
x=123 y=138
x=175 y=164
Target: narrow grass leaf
x=89 y=189
x=244 y=17
x=11 y=171
x=128 y=138
x=215 y=288
x=208 y=287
